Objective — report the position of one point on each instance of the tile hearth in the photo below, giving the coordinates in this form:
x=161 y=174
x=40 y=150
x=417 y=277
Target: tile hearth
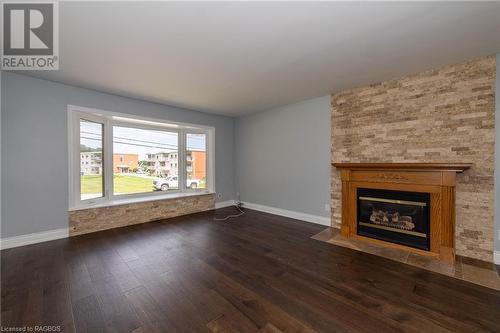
x=467 y=269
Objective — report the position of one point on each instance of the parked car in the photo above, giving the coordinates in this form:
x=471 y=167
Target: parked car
x=172 y=182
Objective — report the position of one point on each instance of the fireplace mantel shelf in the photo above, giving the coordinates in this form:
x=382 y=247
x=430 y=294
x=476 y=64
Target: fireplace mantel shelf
x=456 y=167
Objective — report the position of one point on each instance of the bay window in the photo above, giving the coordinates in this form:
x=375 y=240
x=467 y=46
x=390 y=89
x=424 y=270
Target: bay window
x=117 y=158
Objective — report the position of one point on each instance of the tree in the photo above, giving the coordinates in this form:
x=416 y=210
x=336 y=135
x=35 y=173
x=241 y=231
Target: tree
x=143 y=165
x=85 y=149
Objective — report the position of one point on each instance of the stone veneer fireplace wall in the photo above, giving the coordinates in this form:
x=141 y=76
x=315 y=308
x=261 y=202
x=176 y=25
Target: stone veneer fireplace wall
x=443 y=115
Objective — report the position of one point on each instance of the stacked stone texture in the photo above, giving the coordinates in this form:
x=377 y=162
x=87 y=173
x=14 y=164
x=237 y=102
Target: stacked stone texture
x=443 y=115
x=96 y=219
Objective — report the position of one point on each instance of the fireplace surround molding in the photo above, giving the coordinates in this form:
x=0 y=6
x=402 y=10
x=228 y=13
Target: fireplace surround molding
x=437 y=179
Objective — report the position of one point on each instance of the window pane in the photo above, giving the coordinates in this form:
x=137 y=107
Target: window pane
x=196 y=161
x=144 y=160
x=91 y=176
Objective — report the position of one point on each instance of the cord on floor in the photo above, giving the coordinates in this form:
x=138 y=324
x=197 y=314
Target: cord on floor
x=231 y=216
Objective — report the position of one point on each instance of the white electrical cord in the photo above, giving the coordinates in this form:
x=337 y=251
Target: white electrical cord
x=230 y=216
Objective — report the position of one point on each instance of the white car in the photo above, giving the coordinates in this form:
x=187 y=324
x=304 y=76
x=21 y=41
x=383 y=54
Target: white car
x=172 y=182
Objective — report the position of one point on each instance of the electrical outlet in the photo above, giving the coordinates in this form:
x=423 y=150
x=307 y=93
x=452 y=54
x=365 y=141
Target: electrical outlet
x=327 y=207
x=219 y=195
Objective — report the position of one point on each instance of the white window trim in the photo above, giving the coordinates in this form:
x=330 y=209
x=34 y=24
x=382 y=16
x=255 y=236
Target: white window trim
x=110 y=119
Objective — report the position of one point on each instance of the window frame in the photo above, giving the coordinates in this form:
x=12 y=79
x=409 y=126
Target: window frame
x=110 y=119
x=77 y=163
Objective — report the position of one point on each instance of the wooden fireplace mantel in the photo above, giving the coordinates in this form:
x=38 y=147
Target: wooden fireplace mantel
x=437 y=179
x=454 y=167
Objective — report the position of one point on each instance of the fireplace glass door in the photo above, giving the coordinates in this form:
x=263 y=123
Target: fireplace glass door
x=394 y=216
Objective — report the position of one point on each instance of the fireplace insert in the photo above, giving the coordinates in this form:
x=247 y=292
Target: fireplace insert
x=394 y=216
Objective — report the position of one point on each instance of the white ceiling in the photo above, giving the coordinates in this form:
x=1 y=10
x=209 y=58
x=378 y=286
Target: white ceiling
x=241 y=57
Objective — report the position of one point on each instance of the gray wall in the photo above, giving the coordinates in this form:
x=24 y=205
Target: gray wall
x=497 y=158
x=35 y=154
x=283 y=157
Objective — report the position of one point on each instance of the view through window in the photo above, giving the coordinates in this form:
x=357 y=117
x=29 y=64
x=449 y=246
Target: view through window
x=91 y=162
x=144 y=160
x=196 y=161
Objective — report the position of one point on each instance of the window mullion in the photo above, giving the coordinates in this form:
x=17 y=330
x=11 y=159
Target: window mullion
x=108 y=159
x=75 y=163
x=210 y=160
x=182 y=161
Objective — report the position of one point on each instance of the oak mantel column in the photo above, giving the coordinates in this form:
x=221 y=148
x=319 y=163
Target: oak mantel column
x=345 y=176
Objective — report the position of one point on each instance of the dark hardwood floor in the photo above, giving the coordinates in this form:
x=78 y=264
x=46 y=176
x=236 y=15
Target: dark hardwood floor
x=259 y=272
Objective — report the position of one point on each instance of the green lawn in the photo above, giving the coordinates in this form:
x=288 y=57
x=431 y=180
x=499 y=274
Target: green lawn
x=122 y=184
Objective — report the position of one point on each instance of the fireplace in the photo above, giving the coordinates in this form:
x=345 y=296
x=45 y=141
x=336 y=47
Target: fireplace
x=394 y=216
x=409 y=206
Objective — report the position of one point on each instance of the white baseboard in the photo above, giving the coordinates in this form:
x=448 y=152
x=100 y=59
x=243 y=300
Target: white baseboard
x=288 y=213
x=496 y=257
x=38 y=237
x=223 y=204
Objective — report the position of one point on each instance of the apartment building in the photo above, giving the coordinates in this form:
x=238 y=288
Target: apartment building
x=196 y=164
x=167 y=164
x=91 y=163
x=163 y=164
x=125 y=163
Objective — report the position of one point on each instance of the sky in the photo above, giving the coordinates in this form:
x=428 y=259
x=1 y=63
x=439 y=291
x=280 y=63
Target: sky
x=128 y=140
